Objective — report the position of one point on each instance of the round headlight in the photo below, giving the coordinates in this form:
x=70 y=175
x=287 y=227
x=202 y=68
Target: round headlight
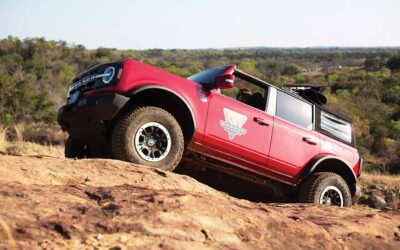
x=108 y=74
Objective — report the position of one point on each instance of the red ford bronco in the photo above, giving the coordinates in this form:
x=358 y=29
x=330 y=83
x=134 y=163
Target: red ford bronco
x=230 y=120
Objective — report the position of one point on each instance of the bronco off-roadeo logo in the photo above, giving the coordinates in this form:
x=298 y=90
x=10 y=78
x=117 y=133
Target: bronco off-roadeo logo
x=233 y=123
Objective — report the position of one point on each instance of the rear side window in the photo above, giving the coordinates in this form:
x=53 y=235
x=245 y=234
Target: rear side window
x=294 y=110
x=335 y=126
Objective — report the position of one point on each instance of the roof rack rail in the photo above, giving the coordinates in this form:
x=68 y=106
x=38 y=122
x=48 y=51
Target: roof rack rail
x=312 y=93
x=319 y=88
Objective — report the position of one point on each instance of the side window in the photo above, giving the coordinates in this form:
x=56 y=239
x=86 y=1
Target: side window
x=294 y=110
x=247 y=93
x=336 y=127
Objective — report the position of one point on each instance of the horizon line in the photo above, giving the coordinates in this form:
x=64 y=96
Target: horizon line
x=74 y=44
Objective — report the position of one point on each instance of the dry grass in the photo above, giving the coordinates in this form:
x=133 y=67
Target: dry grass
x=19 y=130
x=33 y=149
x=13 y=140
x=391 y=181
x=37 y=132
x=3 y=138
x=43 y=133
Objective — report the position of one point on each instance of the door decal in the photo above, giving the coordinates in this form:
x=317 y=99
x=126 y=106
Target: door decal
x=233 y=123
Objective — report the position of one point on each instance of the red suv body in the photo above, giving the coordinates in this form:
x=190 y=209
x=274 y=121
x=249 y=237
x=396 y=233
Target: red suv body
x=278 y=134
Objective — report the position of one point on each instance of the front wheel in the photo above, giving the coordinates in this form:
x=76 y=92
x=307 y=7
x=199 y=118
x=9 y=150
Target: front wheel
x=149 y=136
x=325 y=188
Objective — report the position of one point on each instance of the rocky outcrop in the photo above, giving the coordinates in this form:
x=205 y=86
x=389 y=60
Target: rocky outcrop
x=381 y=197
x=63 y=203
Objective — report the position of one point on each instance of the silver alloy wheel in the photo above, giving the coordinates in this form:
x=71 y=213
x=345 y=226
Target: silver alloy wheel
x=152 y=141
x=332 y=196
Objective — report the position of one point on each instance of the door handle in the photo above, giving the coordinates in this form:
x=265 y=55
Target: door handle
x=261 y=121
x=309 y=141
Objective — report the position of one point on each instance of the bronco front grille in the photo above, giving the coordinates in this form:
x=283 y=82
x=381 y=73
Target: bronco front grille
x=91 y=79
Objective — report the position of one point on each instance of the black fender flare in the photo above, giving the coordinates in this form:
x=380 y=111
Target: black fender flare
x=317 y=161
x=137 y=90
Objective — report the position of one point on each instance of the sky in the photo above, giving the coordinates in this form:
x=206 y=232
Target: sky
x=187 y=24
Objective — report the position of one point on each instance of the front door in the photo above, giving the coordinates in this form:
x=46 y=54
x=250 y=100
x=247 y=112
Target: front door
x=238 y=132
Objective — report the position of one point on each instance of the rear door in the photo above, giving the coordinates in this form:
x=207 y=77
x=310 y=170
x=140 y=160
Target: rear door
x=293 y=142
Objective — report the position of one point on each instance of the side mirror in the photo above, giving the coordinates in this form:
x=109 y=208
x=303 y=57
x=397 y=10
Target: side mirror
x=224 y=81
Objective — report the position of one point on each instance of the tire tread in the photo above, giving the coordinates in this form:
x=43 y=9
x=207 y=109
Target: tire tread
x=119 y=146
x=310 y=186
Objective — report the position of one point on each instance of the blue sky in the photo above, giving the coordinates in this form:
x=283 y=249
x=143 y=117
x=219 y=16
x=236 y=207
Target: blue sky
x=142 y=24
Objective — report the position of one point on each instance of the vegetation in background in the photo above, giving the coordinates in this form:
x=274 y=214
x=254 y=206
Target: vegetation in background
x=375 y=178
x=14 y=142
x=362 y=83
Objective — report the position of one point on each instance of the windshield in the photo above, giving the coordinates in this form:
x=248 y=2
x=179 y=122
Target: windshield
x=207 y=77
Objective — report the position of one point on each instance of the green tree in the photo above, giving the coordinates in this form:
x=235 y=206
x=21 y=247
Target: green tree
x=291 y=69
x=372 y=63
x=394 y=63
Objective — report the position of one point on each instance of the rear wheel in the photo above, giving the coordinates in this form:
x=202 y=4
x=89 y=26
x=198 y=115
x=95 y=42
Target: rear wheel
x=149 y=136
x=325 y=188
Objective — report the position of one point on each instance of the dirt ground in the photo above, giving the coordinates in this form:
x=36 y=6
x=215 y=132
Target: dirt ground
x=50 y=202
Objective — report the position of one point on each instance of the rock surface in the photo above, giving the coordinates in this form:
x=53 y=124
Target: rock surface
x=62 y=203
x=381 y=197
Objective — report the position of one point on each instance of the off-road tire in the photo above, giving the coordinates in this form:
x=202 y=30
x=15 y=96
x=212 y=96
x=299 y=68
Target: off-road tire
x=122 y=141
x=74 y=148
x=312 y=188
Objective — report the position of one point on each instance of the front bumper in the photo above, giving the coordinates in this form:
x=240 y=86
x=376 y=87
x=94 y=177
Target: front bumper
x=102 y=107
x=85 y=119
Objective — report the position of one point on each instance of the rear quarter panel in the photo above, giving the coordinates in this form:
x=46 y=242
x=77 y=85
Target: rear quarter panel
x=345 y=152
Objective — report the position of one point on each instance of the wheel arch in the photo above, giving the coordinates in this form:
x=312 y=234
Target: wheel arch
x=165 y=98
x=329 y=163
